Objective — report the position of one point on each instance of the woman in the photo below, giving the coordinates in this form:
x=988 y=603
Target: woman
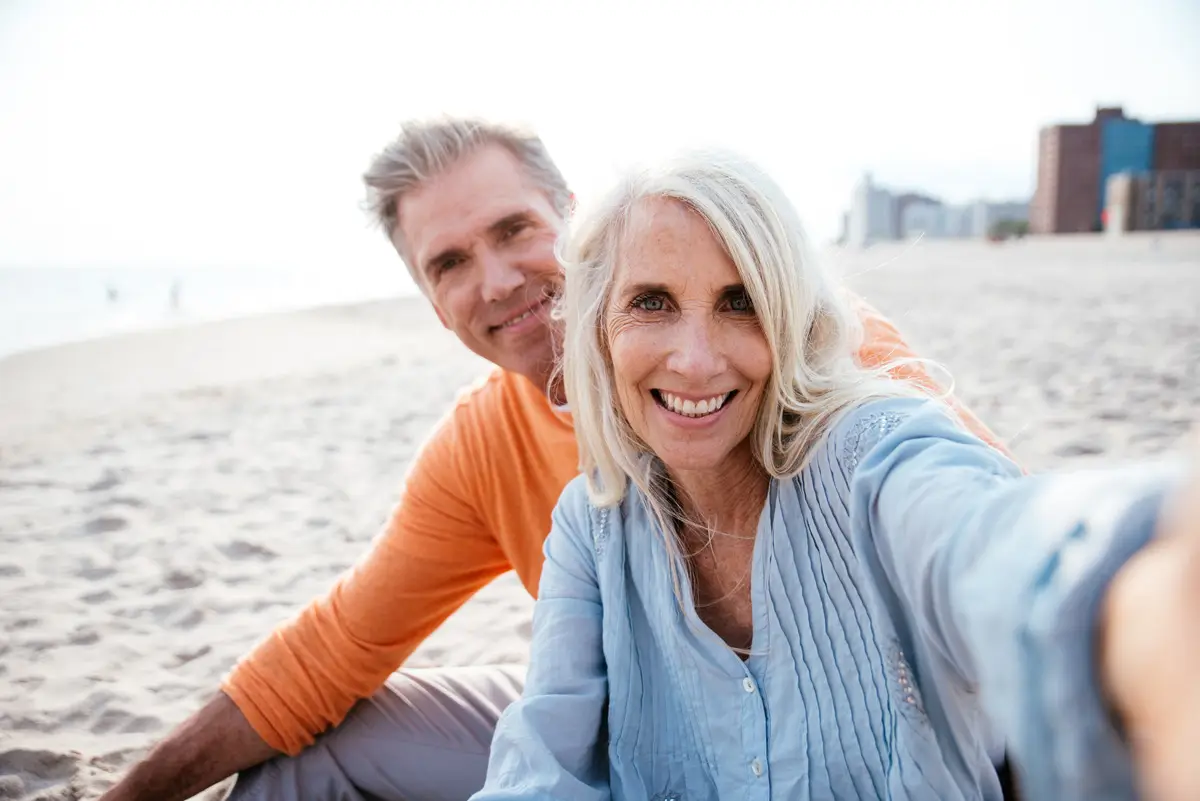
x=783 y=575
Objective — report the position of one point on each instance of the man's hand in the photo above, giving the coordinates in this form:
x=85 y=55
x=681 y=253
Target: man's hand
x=211 y=745
x=1150 y=651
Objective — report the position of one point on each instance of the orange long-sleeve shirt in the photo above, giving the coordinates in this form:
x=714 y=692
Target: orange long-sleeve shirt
x=476 y=504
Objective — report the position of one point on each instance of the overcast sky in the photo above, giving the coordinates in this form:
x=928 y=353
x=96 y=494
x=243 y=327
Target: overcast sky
x=228 y=133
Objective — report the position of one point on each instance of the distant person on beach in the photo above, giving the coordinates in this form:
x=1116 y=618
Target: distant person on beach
x=782 y=574
x=319 y=706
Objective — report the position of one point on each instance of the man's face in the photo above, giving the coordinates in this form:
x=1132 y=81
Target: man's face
x=481 y=238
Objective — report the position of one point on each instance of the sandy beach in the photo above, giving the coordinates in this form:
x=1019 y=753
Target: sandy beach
x=167 y=497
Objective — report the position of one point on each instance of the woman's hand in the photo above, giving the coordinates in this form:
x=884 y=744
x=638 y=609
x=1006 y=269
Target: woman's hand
x=1150 y=651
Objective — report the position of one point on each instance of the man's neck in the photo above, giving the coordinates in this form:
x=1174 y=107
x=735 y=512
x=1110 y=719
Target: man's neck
x=550 y=385
x=556 y=391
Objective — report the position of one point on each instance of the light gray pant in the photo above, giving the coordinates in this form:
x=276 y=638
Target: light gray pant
x=424 y=736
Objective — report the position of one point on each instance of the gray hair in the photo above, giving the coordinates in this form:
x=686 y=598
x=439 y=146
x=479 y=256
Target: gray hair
x=810 y=328
x=426 y=149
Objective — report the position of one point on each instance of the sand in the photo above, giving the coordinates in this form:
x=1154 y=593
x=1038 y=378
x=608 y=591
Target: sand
x=167 y=497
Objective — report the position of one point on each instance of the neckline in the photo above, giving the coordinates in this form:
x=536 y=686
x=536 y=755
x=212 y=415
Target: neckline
x=722 y=655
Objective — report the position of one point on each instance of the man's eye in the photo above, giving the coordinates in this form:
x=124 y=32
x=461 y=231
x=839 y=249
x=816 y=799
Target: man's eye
x=649 y=302
x=515 y=229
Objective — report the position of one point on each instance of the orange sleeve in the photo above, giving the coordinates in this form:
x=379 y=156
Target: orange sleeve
x=882 y=343
x=434 y=554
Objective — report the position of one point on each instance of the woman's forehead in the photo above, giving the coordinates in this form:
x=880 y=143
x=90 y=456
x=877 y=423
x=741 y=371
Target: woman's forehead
x=655 y=217
x=667 y=241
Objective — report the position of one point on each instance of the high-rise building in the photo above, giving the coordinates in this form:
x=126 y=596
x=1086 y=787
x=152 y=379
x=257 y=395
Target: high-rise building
x=1076 y=161
x=879 y=215
x=1067 y=196
x=872 y=216
x=1152 y=201
x=1177 y=146
x=922 y=217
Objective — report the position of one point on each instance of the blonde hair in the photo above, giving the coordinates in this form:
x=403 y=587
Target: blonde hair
x=812 y=332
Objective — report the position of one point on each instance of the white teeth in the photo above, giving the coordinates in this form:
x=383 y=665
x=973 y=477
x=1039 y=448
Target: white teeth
x=517 y=319
x=690 y=408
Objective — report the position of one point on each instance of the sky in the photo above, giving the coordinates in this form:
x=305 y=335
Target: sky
x=189 y=134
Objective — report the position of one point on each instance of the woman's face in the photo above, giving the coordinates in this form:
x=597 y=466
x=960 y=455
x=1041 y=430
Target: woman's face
x=689 y=359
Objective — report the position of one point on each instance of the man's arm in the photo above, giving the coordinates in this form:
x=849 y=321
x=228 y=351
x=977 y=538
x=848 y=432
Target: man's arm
x=214 y=743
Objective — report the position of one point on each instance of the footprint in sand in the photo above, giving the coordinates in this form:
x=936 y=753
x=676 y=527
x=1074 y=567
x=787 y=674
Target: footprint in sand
x=84 y=636
x=123 y=500
x=109 y=480
x=205 y=436
x=239 y=550
x=105 y=524
x=119 y=721
x=180 y=579
x=1079 y=449
x=181 y=658
x=97 y=597
x=29 y=774
x=94 y=572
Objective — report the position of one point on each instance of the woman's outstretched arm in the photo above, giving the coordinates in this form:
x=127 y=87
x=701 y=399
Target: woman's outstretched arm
x=1009 y=577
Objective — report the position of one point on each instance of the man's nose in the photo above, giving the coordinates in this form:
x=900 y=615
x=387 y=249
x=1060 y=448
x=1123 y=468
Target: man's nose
x=501 y=277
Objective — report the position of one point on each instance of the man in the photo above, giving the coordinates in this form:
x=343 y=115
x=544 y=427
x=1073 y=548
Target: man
x=474 y=210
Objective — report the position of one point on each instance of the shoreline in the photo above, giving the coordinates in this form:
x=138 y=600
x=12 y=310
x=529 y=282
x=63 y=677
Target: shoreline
x=185 y=323
x=183 y=319
x=1163 y=243
x=89 y=378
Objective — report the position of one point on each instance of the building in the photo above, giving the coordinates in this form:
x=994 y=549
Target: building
x=872 y=216
x=1152 y=201
x=1075 y=163
x=1177 y=146
x=1067 y=196
x=922 y=218
x=985 y=215
x=958 y=222
x=879 y=215
x=917 y=214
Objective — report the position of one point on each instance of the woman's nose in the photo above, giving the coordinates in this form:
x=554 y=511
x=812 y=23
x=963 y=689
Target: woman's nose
x=696 y=353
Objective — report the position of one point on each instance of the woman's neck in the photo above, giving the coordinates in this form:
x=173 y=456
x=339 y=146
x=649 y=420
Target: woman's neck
x=728 y=499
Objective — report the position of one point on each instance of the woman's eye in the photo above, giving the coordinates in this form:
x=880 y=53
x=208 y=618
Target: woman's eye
x=741 y=303
x=650 y=303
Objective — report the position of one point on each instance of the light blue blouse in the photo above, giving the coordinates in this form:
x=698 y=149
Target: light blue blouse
x=918 y=605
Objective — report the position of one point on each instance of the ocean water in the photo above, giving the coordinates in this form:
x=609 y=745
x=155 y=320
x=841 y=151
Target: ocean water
x=44 y=306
